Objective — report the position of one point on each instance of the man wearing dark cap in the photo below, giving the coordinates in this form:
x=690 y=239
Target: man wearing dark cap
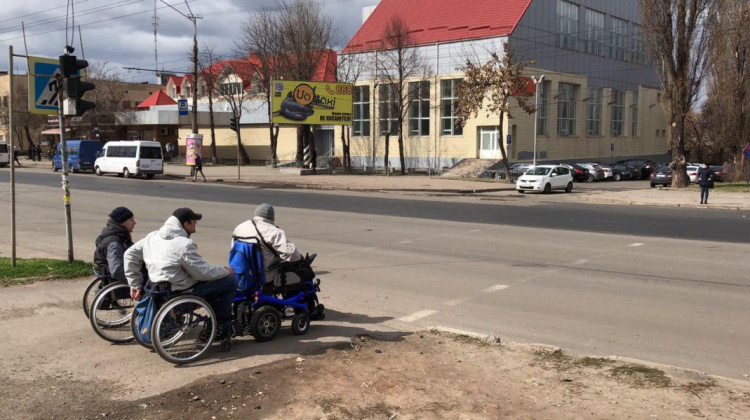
x=171 y=256
x=113 y=242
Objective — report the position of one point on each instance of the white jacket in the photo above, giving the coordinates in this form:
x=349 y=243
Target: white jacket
x=171 y=256
x=275 y=237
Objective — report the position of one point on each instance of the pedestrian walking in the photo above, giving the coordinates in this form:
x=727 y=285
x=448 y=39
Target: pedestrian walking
x=15 y=155
x=706 y=177
x=198 y=168
x=38 y=149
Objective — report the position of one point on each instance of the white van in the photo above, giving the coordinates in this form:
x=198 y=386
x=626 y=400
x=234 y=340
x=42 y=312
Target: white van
x=128 y=158
x=4 y=154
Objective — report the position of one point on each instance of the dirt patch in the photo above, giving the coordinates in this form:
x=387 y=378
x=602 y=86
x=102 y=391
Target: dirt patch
x=429 y=375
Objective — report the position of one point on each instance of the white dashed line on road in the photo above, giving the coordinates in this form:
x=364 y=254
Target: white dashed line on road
x=453 y=302
x=338 y=253
x=580 y=262
x=636 y=244
x=405 y=242
x=496 y=288
x=418 y=315
x=475 y=230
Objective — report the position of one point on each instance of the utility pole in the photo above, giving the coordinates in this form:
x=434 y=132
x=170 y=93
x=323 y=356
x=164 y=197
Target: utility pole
x=156 y=54
x=537 y=82
x=65 y=182
x=12 y=161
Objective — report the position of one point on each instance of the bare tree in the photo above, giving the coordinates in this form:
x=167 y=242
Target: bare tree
x=678 y=38
x=491 y=86
x=260 y=42
x=348 y=70
x=304 y=36
x=112 y=108
x=725 y=112
x=232 y=92
x=209 y=74
x=24 y=122
x=398 y=65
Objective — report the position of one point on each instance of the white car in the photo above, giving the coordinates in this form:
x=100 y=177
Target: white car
x=692 y=172
x=545 y=178
x=4 y=154
x=128 y=158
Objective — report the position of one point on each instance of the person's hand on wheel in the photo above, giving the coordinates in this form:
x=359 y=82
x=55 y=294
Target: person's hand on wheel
x=230 y=269
x=136 y=293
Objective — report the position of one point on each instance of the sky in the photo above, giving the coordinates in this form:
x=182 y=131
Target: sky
x=120 y=32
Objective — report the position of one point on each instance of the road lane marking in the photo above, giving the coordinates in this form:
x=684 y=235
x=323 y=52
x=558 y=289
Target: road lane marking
x=475 y=230
x=496 y=288
x=418 y=315
x=453 y=302
x=580 y=262
x=405 y=242
x=636 y=244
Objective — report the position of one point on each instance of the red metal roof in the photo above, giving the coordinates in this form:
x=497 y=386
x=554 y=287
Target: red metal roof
x=158 y=98
x=432 y=21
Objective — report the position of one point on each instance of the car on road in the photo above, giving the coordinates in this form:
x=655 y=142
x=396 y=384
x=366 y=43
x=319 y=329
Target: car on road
x=624 y=173
x=596 y=173
x=129 y=158
x=545 y=178
x=718 y=172
x=661 y=176
x=644 y=166
x=81 y=155
x=4 y=154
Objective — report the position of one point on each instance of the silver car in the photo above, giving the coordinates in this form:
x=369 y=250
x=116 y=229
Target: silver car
x=596 y=173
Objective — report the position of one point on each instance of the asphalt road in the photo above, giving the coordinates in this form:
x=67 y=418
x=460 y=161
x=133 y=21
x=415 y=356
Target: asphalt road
x=663 y=285
x=725 y=226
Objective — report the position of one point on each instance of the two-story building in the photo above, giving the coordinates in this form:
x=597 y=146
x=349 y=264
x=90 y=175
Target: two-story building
x=599 y=99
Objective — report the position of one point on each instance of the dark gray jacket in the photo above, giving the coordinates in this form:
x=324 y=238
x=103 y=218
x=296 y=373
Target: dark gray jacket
x=110 y=249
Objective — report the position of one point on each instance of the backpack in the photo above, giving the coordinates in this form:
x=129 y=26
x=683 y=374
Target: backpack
x=246 y=259
x=145 y=309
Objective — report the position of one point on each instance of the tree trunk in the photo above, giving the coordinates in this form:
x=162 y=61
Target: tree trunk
x=401 y=151
x=313 y=152
x=274 y=131
x=243 y=153
x=347 y=151
x=387 y=147
x=211 y=121
x=508 y=177
x=28 y=135
x=680 y=177
x=299 y=157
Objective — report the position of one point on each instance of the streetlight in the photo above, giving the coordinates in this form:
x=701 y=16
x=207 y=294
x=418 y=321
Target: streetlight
x=537 y=82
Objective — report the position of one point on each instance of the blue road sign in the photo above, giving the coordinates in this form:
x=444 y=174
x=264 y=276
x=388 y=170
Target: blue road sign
x=42 y=91
x=182 y=106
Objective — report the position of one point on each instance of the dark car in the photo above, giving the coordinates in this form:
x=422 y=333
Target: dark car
x=661 y=176
x=580 y=174
x=644 y=166
x=622 y=172
x=719 y=173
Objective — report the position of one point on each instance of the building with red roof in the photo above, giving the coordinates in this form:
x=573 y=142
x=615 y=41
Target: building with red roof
x=597 y=100
x=160 y=97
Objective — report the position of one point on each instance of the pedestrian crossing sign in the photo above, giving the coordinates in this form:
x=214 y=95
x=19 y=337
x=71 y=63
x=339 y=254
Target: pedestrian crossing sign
x=42 y=90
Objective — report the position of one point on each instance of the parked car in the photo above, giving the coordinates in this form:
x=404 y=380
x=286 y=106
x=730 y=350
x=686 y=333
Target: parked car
x=596 y=173
x=644 y=166
x=719 y=173
x=81 y=155
x=128 y=158
x=692 y=172
x=516 y=170
x=661 y=176
x=608 y=173
x=624 y=173
x=4 y=154
x=545 y=178
x=579 y=173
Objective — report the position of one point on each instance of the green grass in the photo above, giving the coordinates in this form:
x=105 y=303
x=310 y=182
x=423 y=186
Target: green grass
x=641 y=375
x=31 y=270
x=739 y=187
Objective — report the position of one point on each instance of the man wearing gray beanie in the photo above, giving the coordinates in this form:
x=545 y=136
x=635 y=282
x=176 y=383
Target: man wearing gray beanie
x=273 y=239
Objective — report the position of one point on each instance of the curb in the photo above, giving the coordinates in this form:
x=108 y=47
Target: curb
x=677 y=205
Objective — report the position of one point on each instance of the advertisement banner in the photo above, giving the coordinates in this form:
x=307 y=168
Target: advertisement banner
x=313 y=103
x=193 y=148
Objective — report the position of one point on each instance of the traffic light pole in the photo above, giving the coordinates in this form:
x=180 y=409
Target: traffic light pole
x=65 y=183
x=12 y=153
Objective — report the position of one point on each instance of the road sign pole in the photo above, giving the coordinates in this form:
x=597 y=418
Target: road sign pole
x=64 y=163
x=12 y=161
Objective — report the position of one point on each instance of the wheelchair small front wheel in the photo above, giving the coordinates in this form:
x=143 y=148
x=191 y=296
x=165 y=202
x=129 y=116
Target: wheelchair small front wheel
x=91 y=290
x=183 y=329
x=265 y=323
x=300 y=324
x=111 y=312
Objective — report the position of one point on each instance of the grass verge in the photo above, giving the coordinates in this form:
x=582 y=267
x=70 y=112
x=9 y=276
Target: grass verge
x=36 y=269
x=732 y=187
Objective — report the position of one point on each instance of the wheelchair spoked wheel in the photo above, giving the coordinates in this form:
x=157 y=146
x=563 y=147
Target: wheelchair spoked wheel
x=88 y=296
x=183 y=329
x=110 y=313
x=265 y=323
x=134 y=331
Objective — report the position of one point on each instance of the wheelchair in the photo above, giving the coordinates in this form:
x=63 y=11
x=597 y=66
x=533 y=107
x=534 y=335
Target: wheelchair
x=93 y=288
x=110 y=313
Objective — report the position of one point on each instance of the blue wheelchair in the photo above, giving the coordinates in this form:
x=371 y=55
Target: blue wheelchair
x=184 y=326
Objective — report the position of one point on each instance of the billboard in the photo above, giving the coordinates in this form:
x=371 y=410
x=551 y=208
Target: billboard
x=193 y=148
x=314 y=103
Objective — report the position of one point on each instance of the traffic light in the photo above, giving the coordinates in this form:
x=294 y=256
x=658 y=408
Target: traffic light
x=74 y=87
x=233 y=124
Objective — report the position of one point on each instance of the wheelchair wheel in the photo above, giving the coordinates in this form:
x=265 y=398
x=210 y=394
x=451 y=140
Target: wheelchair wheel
x=265 y=323
x=183 y=329
x=300 y=324
x=111 y=312
x=88 y=296
x=134 y=331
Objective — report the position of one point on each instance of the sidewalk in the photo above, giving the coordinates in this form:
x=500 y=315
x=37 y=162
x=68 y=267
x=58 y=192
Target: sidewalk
x=669 y=197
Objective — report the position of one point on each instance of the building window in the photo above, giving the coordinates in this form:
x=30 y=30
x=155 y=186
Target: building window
x=419 y=109
x=361 y=111
x=634 y=115
x=387 y=109
x=230 y=88
x=566 y=109
x=618 y=113
x=594 y=32
x=448 y=104
x=594 y=112
x=542 y=108
x=567 y=24
x=619 y=37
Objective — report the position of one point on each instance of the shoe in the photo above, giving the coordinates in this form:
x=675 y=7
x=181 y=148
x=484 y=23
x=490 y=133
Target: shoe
x=701 y=202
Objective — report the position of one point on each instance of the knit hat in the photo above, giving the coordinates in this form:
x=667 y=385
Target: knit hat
x=265 y=211
x=120 y=214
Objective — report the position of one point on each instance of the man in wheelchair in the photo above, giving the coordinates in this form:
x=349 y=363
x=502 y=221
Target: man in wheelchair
x=171 y=256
